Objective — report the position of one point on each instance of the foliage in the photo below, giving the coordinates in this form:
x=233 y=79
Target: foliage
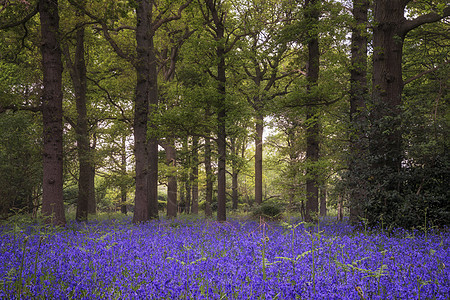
x=267 y=211
x=20 y=165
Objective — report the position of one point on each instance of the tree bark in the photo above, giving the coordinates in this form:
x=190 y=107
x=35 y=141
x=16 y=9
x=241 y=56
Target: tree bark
x=219 y=30
x=78 y=76
x=358 y=97
x=143 y=40
x=194 y=178
x=92 y=203
x=52 y=67
x=153 y=139
x=258 y=159
x=312 y=118
x=209 y=178
x=172 y=187
x=123 y=185
x=323 y=201
x=386 y=140
x=234 y=176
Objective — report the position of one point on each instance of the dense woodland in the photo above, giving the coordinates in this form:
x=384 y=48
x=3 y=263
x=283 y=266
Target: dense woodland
x=162 y=107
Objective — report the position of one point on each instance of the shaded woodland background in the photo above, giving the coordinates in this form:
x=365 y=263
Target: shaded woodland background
x=168 y=107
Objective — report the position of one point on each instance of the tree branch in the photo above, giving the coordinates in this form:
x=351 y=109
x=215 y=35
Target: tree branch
x=160 y=21
x=20 y=107
x=23 y=21
x=428 y=18
x=422 y=74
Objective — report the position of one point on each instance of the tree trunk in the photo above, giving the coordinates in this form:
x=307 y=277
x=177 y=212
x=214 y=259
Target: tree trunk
x=386 y=140
x=92 y=203
x=258 y=159
x=221 y=141
x=219 y=34
x=209 y=178
x=358 y=97
x=123 y=185
x=312 y=118
x=172 y=187
x=194 y=178
x=52 y=67
x=78 y=74
x=153 y=139
x=141 y=106
x=323 y=201
x=234 y=176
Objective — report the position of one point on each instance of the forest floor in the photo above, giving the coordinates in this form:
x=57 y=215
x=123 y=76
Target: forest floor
x=238 y=259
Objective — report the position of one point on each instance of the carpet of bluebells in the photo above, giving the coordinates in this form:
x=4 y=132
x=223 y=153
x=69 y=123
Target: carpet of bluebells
x=232 y=260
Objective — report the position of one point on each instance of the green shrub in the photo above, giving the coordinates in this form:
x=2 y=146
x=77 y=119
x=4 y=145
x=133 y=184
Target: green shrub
x=268 y=211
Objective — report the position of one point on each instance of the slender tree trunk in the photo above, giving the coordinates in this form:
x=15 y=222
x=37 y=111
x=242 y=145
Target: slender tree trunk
x=209 y=178
x=258 y=159
x=221 y=142
x=234 y=176
x=219 y=35
x=123 y=185
x=143 y=40
x=52 y=67
x=153 y=140
x=312 y=117
x=78 y=74
x=194 y=178
x=358 y=97
x=172 y=187
x=92 y=204
x=323 y=201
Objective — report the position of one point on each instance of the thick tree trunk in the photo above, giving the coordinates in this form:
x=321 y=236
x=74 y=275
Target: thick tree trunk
x=52 y=67
x=172 y=187
x=358 y=98
x=194 y=178
x=143 y=40
x=209 y=178
x=312 y=118
x=386 y=139
x=258 y=158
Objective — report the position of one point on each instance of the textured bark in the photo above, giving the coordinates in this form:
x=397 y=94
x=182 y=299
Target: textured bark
x=172 y=187
x=209 y=178
x=52 y=67
x=386 y=141
x=258 y=158
x=358 y=98
x=313 y=130
x=219 y=33
x=142 y=66
x=194 y=178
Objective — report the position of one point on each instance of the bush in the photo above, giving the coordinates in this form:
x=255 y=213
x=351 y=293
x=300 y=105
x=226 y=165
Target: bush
x=267 y=211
